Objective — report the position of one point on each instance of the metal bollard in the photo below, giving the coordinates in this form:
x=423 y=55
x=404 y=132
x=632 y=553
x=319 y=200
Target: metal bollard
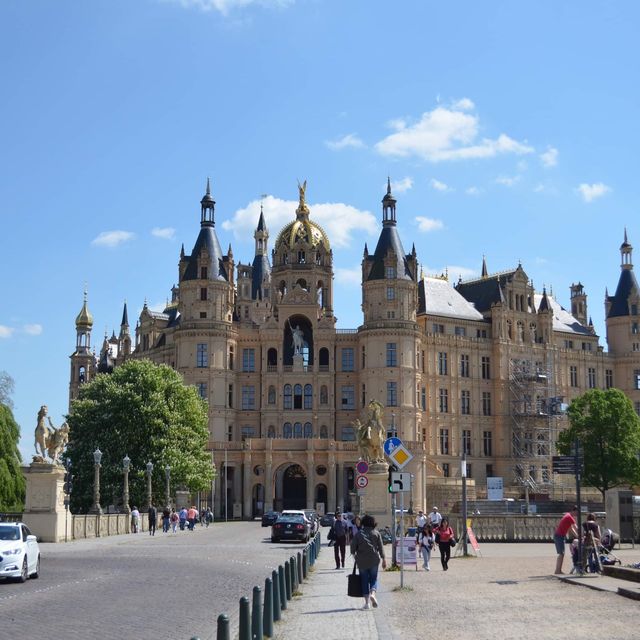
x=256 y=614
x=305 y=564
x=282 y=582
x=287 y=580
x=276 y=595
x=294 y=574
x=223 y=628
x=299 y=567
x=267 y=612
x=245 y=619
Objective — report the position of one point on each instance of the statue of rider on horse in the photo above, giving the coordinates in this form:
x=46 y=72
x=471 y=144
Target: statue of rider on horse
x=49 y=441
x=371 y=434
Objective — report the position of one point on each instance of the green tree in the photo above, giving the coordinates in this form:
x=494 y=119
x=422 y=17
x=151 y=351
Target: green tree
x=144 y=411
x=609 y=432
x=6 y=389
x=12 y=482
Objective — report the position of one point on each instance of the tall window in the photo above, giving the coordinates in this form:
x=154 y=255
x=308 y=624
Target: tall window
x=423 y=398
x=297 y=430
x=248 y=360
x=364 y=395
x=203 y=293
x=486 y=403
x=460 y=331
x=202 y=359
x=464 y=366
x=466 y=441
x=437 y=328
x=591 y=378
x=363 y=357
x=573 y=376
x=248 y=397
x=392 y=355
x=287 y=430
x=308 y=396
x=443 y=401
x=487 y=443
x=202 y=390
x=271 y=395
x=465 y=402
x=297 y=396
x=347 y=359
x=445 y=469
x=230 y=396
x=444 y=441
x=348 y=434
x=231 y=358
x=486 y=367
x=391 y=293
x=443 y=367
x=247 y=432
x=390 y=273
x=348 y=397
x=324 y=394
x=636 y=406
x=308 y=430
x=608 y=378
x=392 y=394
x=288 y=397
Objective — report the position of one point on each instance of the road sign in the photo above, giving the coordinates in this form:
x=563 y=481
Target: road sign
x=400 y=482
x=362 y=467
x=564 y=464
x=400 y=456
x=362 y=481
x=390 y=444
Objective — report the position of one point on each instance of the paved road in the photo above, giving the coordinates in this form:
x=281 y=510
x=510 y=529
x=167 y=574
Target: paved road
x=141 y=587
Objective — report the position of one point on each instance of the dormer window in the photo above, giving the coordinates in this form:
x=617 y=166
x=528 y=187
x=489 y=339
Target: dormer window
x=391 y=273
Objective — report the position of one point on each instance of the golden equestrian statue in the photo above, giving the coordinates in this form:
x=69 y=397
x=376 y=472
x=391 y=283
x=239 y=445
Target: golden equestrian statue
x=371 y=434
x=48 y=439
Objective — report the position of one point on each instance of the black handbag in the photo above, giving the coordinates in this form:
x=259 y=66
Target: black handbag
x=354 y=586
x=452 y=542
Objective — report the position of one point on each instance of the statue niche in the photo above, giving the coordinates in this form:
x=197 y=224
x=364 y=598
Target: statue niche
x=298 y=340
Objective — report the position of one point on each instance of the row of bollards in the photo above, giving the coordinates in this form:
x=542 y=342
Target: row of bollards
x=257 y=618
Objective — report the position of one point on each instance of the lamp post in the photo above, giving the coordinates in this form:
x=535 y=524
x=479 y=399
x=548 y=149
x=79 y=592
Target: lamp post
x=149 y=472
x=463 y=473
x=125 y=495
x=97 y=457
x=167 y=487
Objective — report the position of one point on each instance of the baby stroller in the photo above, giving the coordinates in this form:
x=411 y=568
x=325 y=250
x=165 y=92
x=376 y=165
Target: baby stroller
x=605 y=549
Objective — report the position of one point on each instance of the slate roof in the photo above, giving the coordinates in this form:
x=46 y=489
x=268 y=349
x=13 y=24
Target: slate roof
x=389 y=240
x=484 y=292
x=562 y=319
x=437 y=297
x=627 y=285
x=261 y=269
x=207 y=239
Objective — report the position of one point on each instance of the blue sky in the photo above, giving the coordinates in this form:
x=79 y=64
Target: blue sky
x=508 y=129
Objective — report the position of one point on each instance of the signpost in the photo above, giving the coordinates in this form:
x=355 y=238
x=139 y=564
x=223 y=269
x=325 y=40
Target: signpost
x=362 y=482
x=400 y=456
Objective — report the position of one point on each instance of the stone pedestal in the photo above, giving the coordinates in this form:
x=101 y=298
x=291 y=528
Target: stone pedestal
x=298 y=362
x=183 y=499
x=44 y=511
x=375 y=498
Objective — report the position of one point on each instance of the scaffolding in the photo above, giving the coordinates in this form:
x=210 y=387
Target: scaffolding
x=534 y=419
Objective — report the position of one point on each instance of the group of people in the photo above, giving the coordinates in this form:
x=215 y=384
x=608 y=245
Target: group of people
x=434 y=529
x=591 y=535
x=172 y=519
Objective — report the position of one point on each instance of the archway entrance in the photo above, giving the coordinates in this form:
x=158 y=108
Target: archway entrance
x=294 y=488
x=321 y=498
x=257 y=500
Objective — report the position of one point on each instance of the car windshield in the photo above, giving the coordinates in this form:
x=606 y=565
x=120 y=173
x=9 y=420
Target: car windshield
x=291 y=518
x=9 y=533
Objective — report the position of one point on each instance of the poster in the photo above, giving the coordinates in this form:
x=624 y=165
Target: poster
x=495 y=488
x=409 y=544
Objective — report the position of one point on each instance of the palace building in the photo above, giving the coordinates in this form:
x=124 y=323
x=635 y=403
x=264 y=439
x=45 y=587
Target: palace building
x=483 y=368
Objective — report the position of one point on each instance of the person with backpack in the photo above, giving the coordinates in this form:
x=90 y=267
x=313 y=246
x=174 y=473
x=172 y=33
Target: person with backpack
x=338 y=534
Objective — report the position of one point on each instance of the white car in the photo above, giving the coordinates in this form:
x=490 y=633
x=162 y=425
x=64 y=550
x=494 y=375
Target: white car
x=19 y=552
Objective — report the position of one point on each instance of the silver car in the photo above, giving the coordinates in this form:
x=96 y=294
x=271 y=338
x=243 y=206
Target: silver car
x=19 y=552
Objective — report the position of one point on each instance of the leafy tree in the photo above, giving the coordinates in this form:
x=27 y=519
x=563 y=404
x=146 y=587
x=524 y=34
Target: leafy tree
x=6 y=389
x=12 y=482
x=609 y=432
x=144 y=411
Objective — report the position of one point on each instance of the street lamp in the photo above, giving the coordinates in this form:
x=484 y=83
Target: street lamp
x=463 y=473
x=167 y=492
x=97 y=457
x=125 y=496
x=149 y=472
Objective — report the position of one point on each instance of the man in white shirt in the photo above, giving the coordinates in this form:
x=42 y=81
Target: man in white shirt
x=435 y=517
x=421 y=519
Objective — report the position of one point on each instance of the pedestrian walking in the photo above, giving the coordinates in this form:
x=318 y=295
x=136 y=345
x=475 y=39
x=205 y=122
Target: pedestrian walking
x=175 y=518
x=421 y=519
x=183 y=515
x=135 y=520
x=566 y=525
x=368 y=550
x=435 y=518
x=192 y=517
x=338 y=533
x=445 y=537
x=424 y=542
x=208 y=516
x=153 y=519
x=166 y=519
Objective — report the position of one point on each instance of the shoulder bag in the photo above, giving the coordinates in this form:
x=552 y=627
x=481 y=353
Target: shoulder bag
x=354 y=585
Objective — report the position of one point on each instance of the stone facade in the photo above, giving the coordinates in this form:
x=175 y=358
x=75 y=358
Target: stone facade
x=484 y=367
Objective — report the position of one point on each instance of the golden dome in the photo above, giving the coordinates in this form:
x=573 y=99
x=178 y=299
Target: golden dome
x=84 y=318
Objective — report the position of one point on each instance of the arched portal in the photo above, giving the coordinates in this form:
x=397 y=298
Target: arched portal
x=257 y=502
x=291 y=488
x=321 y=498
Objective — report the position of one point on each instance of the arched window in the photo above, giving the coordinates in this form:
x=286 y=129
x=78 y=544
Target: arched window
x=272 y=357
x=324 y=432
x=82 y=375
x=297 y=430
x=308 y=430
x=324 y=357
x=271 y=395
x=297 y=396
x=271 y=431
x=324 y=394
x=286 y=431
x=287 y=397
x=320 y=293
x=308 y=396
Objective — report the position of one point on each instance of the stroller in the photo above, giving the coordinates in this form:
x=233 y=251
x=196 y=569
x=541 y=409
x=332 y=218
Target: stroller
x=605 y=549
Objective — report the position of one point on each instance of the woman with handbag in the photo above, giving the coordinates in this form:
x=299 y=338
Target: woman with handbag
x=425 y=541
x=368 y=550
x=446 y=539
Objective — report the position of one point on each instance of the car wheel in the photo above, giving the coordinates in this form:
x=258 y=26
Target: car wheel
x=24 y=574
x=36 y=574
x=274 y=539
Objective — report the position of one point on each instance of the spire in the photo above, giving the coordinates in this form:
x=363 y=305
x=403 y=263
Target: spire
x=485 y=272
x=182 y=251
x=84 y=318
x=125 y=317
x=625 y=252
x=207 y=208
x=388 y=206
x=366 y=250
x=544 y=303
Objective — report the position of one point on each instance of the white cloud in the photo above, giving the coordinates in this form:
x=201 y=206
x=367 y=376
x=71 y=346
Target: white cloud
x=590 y=192
x=446 y=133
x=507 y=181
x=428 y=224
x=166 y=233
x=351 y=140
x=112 y=238
x=348 y=277
x=400 y=186
x=541 y=260
x=226 y=6
x=473 y=191
x=549 y=158
x=340 y=221
x=6 y=332
x=539 y=188
x=439 y=186
x=32 y=329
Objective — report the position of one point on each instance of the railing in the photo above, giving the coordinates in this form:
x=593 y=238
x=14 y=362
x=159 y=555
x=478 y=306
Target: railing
x=11 y=516
x=516 y=528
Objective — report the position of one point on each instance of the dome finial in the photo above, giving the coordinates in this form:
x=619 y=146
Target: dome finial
x=302 y=209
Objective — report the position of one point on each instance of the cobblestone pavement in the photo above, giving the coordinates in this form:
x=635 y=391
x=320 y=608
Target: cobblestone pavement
x=138 y=587
x=509 y=592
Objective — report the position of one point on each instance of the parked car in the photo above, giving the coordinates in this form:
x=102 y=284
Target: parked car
x=19 y=552
x=328 y=519
x=269 y=518
x=291 y=527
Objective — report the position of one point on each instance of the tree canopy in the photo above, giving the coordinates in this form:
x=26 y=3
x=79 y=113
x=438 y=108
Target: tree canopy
x=12 y=482
x=609 y=432
x=146 y=412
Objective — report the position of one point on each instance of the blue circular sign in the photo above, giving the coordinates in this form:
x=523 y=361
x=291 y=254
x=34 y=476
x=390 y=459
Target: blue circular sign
x=390 y=444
